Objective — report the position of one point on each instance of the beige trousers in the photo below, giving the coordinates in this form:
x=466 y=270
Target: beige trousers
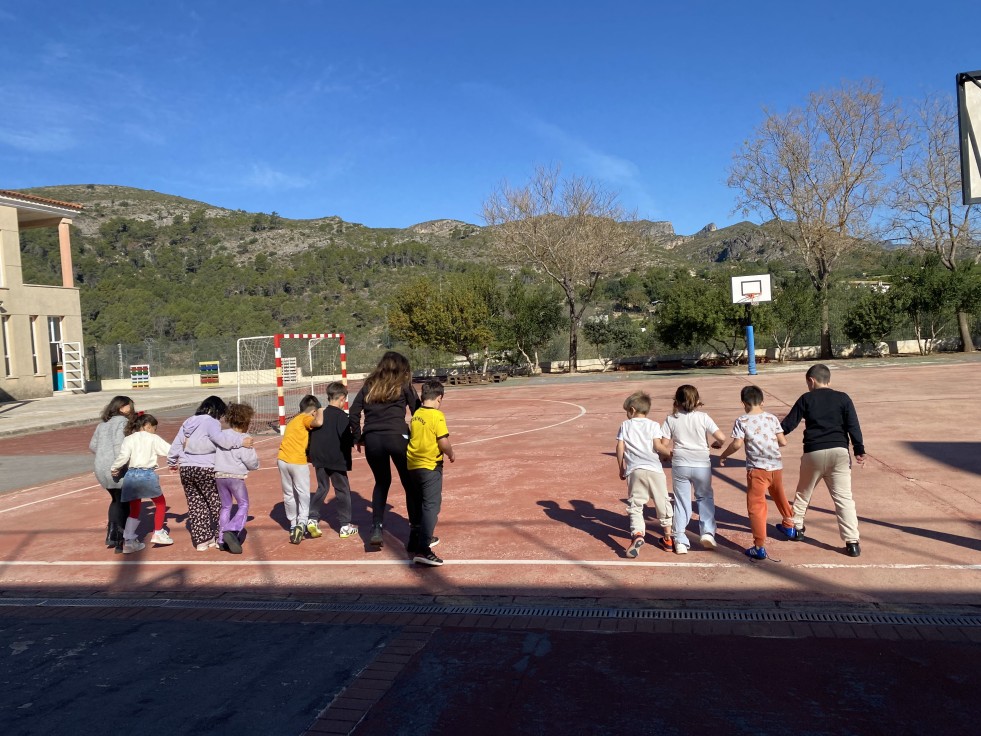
x=834 y=467
x=648 y=485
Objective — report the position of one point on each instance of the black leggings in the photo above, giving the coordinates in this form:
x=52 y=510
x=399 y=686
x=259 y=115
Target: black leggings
x=118 y=510
x=379 y=449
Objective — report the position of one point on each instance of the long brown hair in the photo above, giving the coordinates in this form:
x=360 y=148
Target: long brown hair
x=390 y=376
x=113 y=408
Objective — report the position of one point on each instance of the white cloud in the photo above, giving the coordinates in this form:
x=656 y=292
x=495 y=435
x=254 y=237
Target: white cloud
x=52 y=140
x=265 y=177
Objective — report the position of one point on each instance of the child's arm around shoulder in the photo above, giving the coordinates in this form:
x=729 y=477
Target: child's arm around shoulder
x=318 y=418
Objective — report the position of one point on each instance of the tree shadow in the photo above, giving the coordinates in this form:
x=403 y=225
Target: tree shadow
x=610 y=528
x=961 y=455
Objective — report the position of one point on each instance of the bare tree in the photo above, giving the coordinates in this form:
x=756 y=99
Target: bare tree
x=820 y=173
x=571 y=229
x=927 y=197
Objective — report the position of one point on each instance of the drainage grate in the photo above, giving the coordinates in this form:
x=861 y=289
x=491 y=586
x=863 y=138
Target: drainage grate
x=722 y=615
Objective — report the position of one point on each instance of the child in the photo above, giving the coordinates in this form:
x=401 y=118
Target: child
x=192 y=454
x=330 y=453
x=429 y=443
x=638 y=445
x=830 y=421
x=763 y=437
x=231 y=469
x=139 y=451
x=691 y=466
x=292 y=461
x=106 y=443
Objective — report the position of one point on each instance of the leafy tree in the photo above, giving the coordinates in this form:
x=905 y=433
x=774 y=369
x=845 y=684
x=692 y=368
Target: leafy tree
x=454 y=314
x=699 y=311
x=617 y=337
x=795 y=311
x=570 y=229
x=930 y=294
x=531 y=316
x=870 y=320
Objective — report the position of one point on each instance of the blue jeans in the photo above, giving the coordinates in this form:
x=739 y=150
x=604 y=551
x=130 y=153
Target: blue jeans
x=683 y=479
x=140 y=483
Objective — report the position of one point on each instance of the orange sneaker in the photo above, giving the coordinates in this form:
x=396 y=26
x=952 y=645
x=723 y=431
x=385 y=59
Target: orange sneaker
x=666 y=543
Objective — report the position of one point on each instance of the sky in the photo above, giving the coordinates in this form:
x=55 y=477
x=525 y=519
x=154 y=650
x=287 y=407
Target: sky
x=393 y=113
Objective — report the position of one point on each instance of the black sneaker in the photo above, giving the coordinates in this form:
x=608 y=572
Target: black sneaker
x=433 y=541
x=230 y=539
x=852 y=549
x=427 y=558
x=377 y=538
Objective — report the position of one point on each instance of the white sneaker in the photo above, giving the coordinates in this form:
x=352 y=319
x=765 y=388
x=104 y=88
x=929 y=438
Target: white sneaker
x=161 y=537
x=708 y=541
x=205 y=546
x=348 y=530
x=680 y=549
x=132 y=545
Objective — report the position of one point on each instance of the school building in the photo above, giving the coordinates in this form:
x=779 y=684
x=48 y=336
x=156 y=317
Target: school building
x=40 y=326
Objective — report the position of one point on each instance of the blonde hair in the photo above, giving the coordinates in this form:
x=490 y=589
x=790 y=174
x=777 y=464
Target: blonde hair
x=639 y=401
x=386 y=382
x=686 y=398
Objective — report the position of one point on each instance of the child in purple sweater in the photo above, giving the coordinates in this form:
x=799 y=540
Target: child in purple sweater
x=231 y=469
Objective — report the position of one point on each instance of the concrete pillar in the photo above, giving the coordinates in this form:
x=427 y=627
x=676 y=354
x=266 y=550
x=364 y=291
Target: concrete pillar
x=65 y=241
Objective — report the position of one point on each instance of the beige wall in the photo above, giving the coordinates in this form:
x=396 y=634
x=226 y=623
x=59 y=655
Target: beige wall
x=21 y=301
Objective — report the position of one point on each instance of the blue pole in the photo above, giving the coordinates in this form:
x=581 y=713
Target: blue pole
x=751 y=350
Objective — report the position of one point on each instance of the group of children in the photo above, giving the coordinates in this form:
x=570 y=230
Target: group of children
x=324 y=438
x=214 y=463
x=685 y=439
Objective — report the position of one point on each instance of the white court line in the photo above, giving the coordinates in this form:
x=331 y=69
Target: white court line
x=582 y=410
x=49 y=498
x=493 y=563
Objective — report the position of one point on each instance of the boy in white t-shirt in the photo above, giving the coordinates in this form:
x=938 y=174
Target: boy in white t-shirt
x=763 y=437
x=691 y=466
x=639 y=444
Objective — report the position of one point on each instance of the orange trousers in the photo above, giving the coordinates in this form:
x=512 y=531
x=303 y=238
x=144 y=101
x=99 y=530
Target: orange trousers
x=758 y=482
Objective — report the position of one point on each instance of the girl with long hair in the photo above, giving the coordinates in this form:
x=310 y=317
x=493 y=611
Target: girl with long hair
x=384 y=397
x=106 y=443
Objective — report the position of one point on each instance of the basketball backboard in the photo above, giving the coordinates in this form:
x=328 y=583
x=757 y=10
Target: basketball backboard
x=751 y=289
x=969 y=123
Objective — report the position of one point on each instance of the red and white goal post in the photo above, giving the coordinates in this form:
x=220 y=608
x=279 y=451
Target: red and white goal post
x=276 y=371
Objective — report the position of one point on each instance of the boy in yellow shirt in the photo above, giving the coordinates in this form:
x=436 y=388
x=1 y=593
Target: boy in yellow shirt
x=292 y=461
x=429 y=443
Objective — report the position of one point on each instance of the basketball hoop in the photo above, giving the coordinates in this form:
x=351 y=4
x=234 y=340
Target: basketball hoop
x=751 y=299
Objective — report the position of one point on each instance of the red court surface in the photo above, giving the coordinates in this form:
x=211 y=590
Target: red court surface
x=533 y=507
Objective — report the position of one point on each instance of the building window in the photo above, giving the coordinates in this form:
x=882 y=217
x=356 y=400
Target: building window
x=34 y=355
x=5 y=328
x=54 y=339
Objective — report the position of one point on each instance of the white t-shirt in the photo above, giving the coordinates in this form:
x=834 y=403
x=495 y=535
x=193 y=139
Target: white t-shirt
x=689 y=431
x=638 y=435
x=140 y=450
x=759 y=432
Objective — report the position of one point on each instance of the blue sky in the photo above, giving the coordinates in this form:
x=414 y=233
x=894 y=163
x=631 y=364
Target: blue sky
x=393 y=113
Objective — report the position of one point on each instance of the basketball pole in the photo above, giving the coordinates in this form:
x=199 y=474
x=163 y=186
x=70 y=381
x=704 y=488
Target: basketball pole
x=750 y=341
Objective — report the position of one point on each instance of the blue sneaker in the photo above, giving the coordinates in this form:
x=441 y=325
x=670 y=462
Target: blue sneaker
x=757 y=553
x=790 y=533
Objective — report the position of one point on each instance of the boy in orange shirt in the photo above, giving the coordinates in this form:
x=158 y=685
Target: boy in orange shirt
x=294 y=475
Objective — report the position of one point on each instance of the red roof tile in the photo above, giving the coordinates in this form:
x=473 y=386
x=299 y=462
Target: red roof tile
x=39 y=200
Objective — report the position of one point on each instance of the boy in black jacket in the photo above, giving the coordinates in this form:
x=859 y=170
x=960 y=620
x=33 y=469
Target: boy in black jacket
x=830 y=421
x=329 y=451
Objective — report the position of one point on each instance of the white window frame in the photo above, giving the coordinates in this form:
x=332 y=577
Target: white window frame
x=8 y=357
x=35 y=357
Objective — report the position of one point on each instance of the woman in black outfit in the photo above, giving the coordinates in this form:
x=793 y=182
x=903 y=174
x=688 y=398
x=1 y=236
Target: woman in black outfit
x=386 y=394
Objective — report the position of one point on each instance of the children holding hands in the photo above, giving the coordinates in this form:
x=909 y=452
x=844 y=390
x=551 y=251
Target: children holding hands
x=639 y=450
x=138 y=454
x=691 y=466
x=762 y=436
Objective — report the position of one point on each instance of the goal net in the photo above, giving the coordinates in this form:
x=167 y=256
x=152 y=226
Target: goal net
x=276 y=371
